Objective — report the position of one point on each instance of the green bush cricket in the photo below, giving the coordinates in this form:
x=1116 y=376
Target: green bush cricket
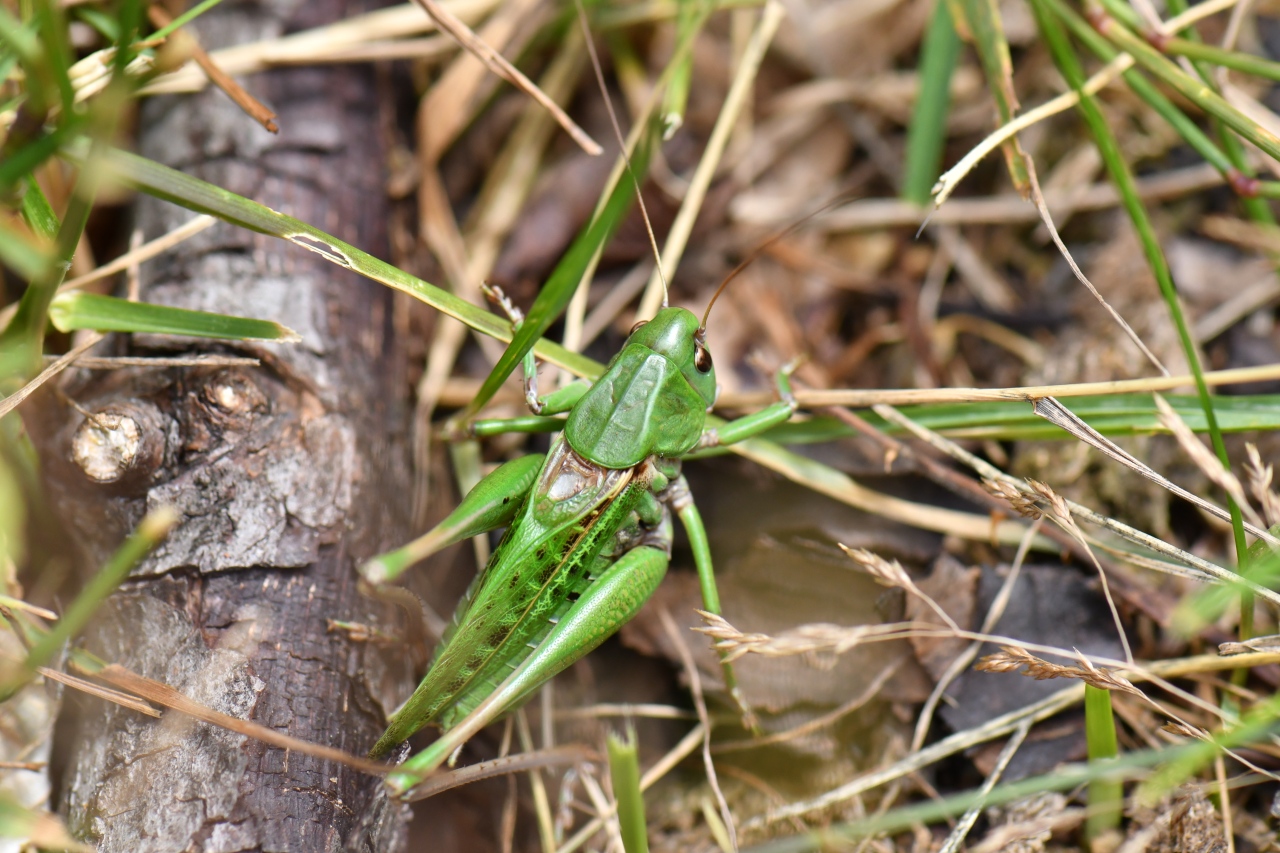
x=588 y=534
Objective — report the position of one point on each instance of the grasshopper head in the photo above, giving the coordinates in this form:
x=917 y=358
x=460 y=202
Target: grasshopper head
x=676 y=334
x=653 y=399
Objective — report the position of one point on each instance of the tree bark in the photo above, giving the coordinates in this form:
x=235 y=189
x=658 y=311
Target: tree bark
x=285 y=475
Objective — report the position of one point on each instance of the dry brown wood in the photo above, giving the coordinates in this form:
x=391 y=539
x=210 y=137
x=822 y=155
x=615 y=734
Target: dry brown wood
x=285 y=475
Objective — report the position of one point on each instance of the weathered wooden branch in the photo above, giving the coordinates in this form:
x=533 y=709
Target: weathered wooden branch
x=285 y=476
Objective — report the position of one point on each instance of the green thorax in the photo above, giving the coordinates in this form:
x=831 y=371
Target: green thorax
x=652 y=399
x=547 y=559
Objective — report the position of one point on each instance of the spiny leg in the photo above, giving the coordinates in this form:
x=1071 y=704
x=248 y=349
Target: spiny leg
x=752 y=425
x=490 y=505
x=680 y=499
x=558 y=401
x=608 y=604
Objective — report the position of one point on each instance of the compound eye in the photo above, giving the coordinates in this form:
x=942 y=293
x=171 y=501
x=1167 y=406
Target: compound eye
x=636 y=327
x=701 y=357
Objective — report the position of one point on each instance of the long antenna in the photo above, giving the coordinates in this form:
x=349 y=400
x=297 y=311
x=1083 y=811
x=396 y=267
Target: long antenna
x=622 y=145
x=760 y=249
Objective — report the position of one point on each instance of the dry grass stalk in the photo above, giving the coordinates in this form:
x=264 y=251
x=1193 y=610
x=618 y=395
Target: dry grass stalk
x=1183 y=729
x=498 y=64
x=1204 y=459
x=254 y=108
x=890 y=573
x=1260 y=479
x=1015 y=659
x=1255 y=644
x=1028 y=825
x=817 y=641
x=1023 y=504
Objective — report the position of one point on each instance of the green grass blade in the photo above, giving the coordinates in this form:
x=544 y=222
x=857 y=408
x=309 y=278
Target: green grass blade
x=19 y=253
x=1190 y=760
x=185 y=18
x=202 y=197
x=16 y=165
x=107 y=25
x=77 y=310
x=564 y=279
x=1189 y=87
x=31 y=259
x=37 y=212
x=13 y=515
x=983 y=20
x=1132 y=765
x=35 y=828
x=1114 y=416
x=56 y=50
x=676 y=98
x=24 y=336
x=1147 y=91
x=624 y=772
x=1233 y=59
x=1255 y=205
x=928 y=131
x=21 y=39
x=1106 y=793
x=1065 y=58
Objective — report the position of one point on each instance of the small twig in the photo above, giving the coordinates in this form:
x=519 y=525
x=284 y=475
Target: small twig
x=1055 y=413
x=163 y=694
x=695 y=687
x=1038 y=198
x=8 y=404
x=499 y=65
x=507 y=765
x=990 y=472
x=254 y=108
x=966 y=822
x=120 y=362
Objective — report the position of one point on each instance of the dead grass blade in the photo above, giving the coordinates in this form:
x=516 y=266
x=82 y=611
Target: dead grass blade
x=1037 y=197
x=1055 y=413
x=359 y=38
x=856 y=398
x=122 y=699
x=499 y=65
x=1016 y=491
x=8 y=404
x=743 y=80
x=1204 y=459
x=252 y=107
x=966 y=822
x=1016 y=659
x=554 y=757
x=695 y=687
x=163 y=694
